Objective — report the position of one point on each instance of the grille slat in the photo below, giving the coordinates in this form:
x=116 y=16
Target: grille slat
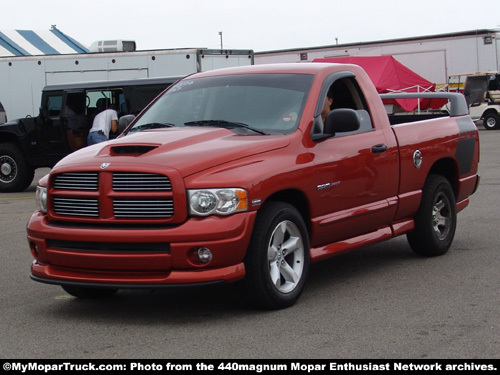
x=129 y=181
x=77 y=181
x=76 y=207
x=127 y=208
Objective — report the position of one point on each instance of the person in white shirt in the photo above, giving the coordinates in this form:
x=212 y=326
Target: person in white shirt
x=104 y=122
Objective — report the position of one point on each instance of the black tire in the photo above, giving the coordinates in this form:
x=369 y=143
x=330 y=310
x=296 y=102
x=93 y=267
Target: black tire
x=491 y=121
x=88 y=292
x=436 y=220
x=276 y=274
x=15 y=173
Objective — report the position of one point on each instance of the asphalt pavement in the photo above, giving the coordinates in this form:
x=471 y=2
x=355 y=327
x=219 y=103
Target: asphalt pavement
x=378 y=302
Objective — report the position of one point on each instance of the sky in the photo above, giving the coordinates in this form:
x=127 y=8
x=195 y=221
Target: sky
x=260 y=25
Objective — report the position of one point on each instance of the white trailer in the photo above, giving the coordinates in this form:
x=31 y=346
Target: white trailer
x=434 y=57
x=22 y=78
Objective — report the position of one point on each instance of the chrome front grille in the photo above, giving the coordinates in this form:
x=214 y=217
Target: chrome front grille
x=144 y=208
x=77 y=181
x=76 y=206
x=112 y=195
x=128 y=181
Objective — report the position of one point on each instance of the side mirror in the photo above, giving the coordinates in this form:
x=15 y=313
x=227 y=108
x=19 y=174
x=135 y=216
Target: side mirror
x=342 y=120
x=124 y=121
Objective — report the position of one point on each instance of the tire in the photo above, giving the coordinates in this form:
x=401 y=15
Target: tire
x=89 y=292
x=491 y=121
x=277 y=261
x=15 y=173
x=436 y=219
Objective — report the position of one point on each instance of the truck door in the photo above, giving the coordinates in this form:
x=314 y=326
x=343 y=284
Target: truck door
x=75 y=120
x=52 y=132
x=357 y=172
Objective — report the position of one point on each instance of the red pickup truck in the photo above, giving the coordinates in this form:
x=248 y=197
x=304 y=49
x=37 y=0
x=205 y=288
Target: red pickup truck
x=249 y=174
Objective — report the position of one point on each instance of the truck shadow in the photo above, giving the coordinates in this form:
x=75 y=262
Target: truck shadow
x=225 y=302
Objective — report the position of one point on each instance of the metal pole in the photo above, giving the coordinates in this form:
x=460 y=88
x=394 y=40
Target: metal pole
x=221 y=46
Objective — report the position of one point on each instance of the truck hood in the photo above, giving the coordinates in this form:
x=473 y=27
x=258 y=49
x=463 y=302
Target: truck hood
x=187 y=149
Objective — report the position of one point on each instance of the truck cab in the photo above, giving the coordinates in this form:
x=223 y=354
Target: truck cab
x=66 y=115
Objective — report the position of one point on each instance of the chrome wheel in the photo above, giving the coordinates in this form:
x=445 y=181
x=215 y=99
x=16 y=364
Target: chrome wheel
x=441 y=216
x=15 y=173
x=8 y=169
x=491 y=121
x=277 y=260
x=286 y=256
x=436 y=219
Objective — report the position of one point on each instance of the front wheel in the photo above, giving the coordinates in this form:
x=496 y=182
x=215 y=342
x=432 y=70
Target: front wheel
x=491 y=121
x=436 y=220
x=277 y=261
x=15 y=173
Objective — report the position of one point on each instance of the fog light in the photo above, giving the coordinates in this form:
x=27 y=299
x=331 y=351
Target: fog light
x=204 y=255
x=34 y=249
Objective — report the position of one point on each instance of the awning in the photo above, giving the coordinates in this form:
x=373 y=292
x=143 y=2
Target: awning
x=45 y=42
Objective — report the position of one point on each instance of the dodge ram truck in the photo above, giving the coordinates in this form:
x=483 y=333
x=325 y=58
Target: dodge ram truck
x=248 y=175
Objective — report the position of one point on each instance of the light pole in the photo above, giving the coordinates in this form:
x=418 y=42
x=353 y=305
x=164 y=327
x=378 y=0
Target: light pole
x=221 y=46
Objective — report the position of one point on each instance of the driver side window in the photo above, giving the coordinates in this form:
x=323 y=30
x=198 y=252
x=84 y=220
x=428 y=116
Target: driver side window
x=54 y=105
x=345 y=93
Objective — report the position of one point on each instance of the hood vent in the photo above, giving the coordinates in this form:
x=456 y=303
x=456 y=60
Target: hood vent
x=134 y=150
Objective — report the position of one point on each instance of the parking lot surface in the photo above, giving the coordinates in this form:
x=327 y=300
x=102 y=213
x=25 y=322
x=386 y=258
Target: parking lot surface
x=379 y=302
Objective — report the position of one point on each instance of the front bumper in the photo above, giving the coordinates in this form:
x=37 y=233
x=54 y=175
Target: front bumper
x=140 y=258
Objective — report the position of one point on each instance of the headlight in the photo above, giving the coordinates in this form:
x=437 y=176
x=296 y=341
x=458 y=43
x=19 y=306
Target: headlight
x=41 y=199
x=206 y=202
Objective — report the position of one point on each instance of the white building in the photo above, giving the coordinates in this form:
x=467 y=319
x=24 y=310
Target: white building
x=434 y=57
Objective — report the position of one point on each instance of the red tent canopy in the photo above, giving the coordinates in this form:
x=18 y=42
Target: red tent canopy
x=389 y=75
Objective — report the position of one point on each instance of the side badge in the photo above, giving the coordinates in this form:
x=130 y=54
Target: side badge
x=105 y=165
x=417 y=159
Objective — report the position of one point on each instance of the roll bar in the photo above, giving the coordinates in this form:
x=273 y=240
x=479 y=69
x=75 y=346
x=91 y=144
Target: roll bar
x=458 y=104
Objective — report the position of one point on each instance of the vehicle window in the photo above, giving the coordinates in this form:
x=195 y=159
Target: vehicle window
x=265 y=103
x=96 y=99
x=94 y=96
x=54 y=105
x=346 y=93
x=122 y=105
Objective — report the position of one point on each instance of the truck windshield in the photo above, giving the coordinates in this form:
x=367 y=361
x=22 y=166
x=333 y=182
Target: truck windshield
x=246 y=104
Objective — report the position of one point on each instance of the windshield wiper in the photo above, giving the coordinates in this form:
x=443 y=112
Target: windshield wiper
x=153 y=125
x=224 y=124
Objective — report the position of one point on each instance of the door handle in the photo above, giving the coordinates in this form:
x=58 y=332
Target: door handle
x=377 y=149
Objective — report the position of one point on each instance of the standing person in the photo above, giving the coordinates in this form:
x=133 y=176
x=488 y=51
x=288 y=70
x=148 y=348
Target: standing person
x=104 y=122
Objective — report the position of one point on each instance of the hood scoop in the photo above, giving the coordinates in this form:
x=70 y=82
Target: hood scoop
x=131 y=150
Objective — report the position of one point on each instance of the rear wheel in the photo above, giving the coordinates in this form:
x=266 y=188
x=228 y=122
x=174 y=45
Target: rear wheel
x=436 y=219
x=277 y=261
x=491 y=121
x=89 y=292
x=15 y=173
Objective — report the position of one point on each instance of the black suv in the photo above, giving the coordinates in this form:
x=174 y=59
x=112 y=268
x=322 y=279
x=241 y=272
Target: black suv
x=35 y=142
